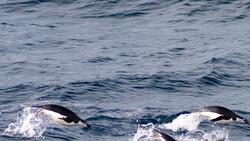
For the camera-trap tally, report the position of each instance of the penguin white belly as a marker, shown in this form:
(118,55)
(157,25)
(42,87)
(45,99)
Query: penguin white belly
(57,117)
(225,121)
(212,115)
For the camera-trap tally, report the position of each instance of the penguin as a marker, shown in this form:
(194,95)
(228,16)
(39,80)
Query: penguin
(158,134)
(219,114)
(61,115)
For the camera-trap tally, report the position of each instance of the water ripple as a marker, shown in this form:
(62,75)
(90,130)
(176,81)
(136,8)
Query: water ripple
(120,63)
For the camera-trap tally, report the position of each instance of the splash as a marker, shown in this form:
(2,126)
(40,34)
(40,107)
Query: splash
(189,122)
(144,132)
(27,124)
(215,135)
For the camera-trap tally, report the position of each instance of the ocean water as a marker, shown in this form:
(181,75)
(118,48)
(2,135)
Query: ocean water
(126,66)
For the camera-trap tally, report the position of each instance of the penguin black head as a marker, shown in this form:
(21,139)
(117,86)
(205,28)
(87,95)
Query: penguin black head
(164,136)
(241,119)
(84,124)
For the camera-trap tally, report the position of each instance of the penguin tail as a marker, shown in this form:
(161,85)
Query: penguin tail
(39,109)
(36,106)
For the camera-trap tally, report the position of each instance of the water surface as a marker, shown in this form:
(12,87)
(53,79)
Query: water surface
(121,63)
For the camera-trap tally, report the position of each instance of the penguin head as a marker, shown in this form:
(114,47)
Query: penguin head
(242,120)
(162,136)
(157,133)
(83,123)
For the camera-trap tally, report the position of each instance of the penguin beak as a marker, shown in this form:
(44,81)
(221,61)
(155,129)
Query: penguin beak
(245,121)
(84,124)
(87,125)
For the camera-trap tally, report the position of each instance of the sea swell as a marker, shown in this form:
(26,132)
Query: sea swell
(123,64)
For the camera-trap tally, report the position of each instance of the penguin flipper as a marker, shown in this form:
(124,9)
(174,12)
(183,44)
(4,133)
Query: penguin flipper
(220,118)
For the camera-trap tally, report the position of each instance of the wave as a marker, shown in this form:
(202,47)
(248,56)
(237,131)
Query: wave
(222,71)
(121,9)
(216,78)
(186,127)
(189,122)
(27,125)
(182,126)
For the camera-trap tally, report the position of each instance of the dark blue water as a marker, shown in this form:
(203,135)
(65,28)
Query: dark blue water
(121,63)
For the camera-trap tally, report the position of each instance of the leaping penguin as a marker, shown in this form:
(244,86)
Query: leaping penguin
(159,134)
(62,115)
(221,114)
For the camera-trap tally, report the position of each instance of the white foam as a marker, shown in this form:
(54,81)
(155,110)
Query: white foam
(217,135)
(27,124)
(143,132)
(188,122)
